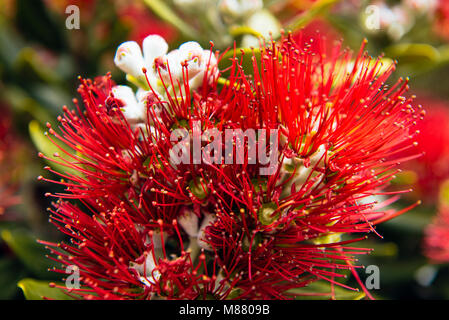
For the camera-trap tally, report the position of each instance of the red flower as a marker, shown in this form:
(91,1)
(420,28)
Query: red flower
(441,26)
(436,237)
(432,168)
(9,146)
(86,7)
(141,22)
(312,35)
(250,236)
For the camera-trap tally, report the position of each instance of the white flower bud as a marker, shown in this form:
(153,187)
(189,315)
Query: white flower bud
(154,46)
(402,24)
(129,59)
(132,110)
(208,220)
(166,72)
(189,222)
(264,23)
(198,61)
(157,241)
(386,16)
(170,67)
(189,50)
(239,8)
(145,270)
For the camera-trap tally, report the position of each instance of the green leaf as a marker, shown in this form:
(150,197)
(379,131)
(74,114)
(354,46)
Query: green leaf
(400,272)
(44,145)
(38,290)
(10,42)
(322,290)
(244,57)
(27,250)
(413,52)
(24,104)
(412,222)
(380,248)
(166,13)
(11,271)
(444,54)
(30,67)
(237,31)
(419,58)
(34,20)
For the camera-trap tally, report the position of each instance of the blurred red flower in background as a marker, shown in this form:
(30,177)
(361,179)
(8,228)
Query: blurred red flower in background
(436,237)
(8,143)
(86,7)
(432,168)
(142,22)
(135,15)
(441,26)
(317,33)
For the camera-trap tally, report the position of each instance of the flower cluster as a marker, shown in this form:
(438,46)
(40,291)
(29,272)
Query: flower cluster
(162,72)
(142,226)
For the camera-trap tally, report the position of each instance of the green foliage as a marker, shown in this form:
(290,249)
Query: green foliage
(245,57)
(11,271)
(48,148)
(161,9)
(323,290)
(40,290)
(28,251)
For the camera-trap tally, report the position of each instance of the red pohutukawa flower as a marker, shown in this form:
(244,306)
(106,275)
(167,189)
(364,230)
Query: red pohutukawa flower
(428,173)
(9,149)
(177,203)
(442,19)
(436,237)
(140,21)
